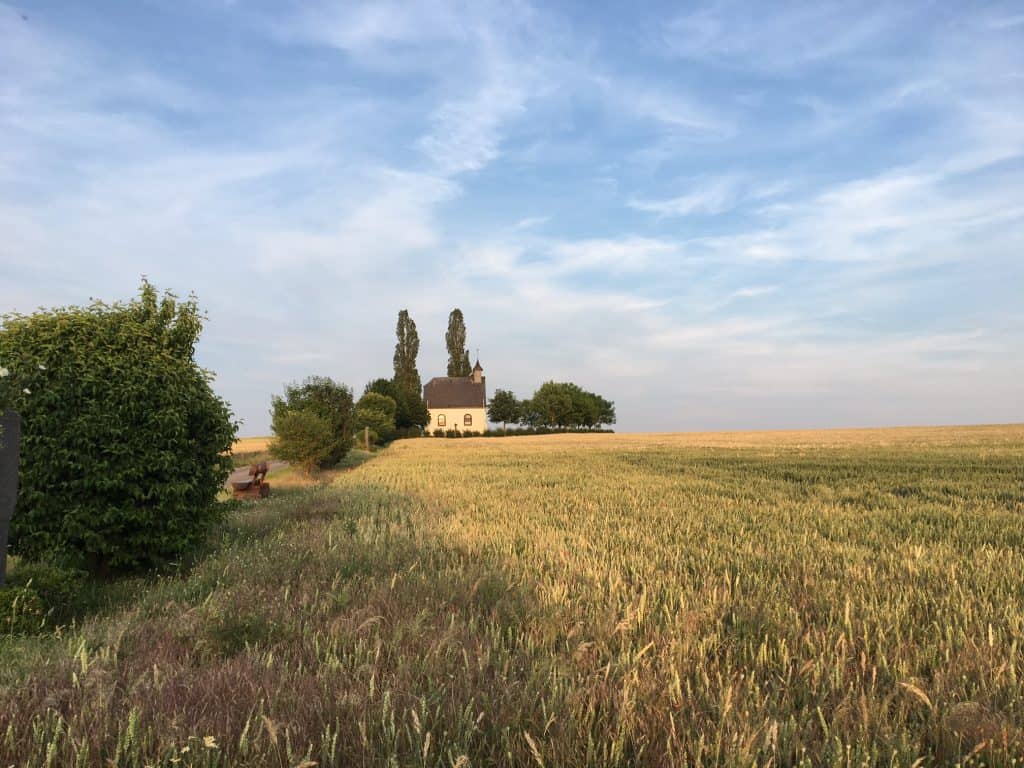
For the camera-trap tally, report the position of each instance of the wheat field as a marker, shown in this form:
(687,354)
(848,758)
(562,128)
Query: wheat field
(251,445)
(852,597)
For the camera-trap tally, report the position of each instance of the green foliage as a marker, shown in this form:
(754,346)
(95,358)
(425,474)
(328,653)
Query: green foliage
(407,347)
(377,412)
(303,438)
(122,435)
(21,610)
(588,409)
(504,408)
(316,442)
(408,394)
(549,406)
(51,596)
(455,341)
(11,389)
(410,410)
(384,387)
(57,586)
(566,406)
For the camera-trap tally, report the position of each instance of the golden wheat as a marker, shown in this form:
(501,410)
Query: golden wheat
(852,597)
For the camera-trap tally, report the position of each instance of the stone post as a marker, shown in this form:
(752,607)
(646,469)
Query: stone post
(10,442)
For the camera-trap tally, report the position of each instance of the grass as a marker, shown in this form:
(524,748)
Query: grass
(796,598)
(289,478)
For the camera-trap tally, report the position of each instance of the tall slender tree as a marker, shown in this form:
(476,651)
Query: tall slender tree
(407,378)
(407,384)
(455,339)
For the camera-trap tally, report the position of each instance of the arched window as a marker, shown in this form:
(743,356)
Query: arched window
(467,420)
(440,420)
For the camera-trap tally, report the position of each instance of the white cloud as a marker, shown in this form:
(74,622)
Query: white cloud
(466,134)
(709,196)
(900,217)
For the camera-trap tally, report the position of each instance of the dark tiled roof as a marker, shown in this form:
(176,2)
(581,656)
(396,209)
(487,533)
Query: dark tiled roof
(455,392)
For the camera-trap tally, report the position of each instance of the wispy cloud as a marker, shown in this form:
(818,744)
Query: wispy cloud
(465,135)
(712,195)
(899,218)
(780,37)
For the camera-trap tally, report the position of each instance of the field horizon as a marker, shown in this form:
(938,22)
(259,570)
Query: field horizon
(260,442)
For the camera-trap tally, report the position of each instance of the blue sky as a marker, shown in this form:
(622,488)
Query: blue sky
(719,215)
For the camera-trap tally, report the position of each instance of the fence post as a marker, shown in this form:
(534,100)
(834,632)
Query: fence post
(10,442)
(366,437)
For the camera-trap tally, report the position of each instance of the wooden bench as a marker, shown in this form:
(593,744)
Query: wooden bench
(256,487)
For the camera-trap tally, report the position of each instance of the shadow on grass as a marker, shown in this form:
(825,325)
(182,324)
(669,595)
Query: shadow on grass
(331,615)
(86,596)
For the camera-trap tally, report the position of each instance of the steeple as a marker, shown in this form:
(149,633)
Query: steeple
(478,372)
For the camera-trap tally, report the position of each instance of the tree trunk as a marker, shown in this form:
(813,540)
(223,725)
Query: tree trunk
(10,443)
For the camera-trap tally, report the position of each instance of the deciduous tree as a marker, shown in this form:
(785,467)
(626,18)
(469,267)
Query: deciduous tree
(566,405)
(551,405)
(504,407)
(377,412)
(303,438)
(326,399)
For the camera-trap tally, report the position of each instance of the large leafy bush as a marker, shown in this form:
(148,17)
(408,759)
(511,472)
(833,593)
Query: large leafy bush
(323,434)
(123,437)
(377,413)
(410,410)
(303,438)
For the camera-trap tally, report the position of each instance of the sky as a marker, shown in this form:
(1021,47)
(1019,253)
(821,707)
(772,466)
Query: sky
(718,215)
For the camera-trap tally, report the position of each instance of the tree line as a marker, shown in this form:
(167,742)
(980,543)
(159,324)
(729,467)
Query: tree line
(555,405)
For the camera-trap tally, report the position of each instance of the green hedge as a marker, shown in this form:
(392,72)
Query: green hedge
(121,455)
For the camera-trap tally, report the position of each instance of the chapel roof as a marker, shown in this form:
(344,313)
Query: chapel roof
(455,392)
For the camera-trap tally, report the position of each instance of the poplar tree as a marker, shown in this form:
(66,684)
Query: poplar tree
(407,385)
(407,378)
(455,339)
